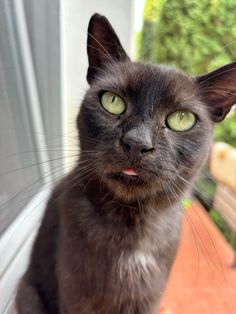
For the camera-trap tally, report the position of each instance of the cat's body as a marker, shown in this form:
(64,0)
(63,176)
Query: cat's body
(111,228)
(101,263)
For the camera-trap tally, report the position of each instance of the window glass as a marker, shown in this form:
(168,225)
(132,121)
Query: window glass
(22,171)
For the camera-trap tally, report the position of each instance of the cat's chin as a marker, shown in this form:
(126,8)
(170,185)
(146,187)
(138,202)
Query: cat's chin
(126,179)
(130,187)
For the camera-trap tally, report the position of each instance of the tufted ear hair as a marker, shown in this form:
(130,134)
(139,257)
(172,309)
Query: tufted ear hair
(219,90)
(103,46)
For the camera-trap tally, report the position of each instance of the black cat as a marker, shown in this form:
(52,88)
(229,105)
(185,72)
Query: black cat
(111,228)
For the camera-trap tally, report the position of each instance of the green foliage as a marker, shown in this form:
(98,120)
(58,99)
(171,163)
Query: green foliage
(223,227)
(205,188)
(152,9)
(195,36)
(147,38)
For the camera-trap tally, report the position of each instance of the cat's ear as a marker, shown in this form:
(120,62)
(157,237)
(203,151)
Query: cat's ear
(219,90)
(103,45)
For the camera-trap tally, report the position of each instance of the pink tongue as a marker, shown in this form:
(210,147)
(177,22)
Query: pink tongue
(130,172)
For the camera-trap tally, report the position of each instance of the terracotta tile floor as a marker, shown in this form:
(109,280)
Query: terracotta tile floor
(202,281)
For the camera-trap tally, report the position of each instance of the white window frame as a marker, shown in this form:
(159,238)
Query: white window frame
(16,241)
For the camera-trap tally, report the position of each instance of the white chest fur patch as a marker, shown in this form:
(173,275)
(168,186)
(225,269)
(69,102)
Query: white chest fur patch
(136,264)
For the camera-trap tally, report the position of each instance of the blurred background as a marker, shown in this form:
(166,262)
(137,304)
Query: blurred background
(43,65)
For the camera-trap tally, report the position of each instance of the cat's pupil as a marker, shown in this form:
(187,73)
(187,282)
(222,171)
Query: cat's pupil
(113,99)
(181,115)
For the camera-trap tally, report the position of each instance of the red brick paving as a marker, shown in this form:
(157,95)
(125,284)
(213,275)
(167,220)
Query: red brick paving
(201,281)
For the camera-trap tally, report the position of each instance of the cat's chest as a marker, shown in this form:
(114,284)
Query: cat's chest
(152,256)
(136,265)
(137,275)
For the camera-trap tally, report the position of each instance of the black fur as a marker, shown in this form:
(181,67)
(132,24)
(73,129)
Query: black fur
(108,241)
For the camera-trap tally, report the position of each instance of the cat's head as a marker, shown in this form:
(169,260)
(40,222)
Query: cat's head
(146,129)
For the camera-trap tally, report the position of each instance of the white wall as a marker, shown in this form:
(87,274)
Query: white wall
(76,15)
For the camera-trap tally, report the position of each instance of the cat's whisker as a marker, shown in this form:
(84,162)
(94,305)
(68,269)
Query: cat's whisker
(36,164)
(205,249)
(203,193)
(77,179)
(193,230)
(113,213)
(199,191)
(2,157)
(86,138)
(67,156)
(44,187)
(60,169)
(219,267)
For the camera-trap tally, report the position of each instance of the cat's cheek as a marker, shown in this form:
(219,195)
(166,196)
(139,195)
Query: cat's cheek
(118,149)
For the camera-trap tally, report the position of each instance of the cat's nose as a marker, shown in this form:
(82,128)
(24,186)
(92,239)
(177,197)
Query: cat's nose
(137,142)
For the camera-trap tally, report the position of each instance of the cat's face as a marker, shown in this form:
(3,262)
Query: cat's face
(144,129)
(140,138)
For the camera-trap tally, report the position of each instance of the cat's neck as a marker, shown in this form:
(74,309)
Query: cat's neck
(124,223)
(131,212)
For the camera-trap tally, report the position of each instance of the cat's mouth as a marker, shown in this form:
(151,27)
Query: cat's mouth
(129,182)
(130,172)
(127,176)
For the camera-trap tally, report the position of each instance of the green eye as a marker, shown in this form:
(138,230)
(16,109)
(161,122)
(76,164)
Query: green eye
(181,120)
(112,103)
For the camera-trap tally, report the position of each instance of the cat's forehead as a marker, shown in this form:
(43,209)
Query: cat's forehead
(151,80)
